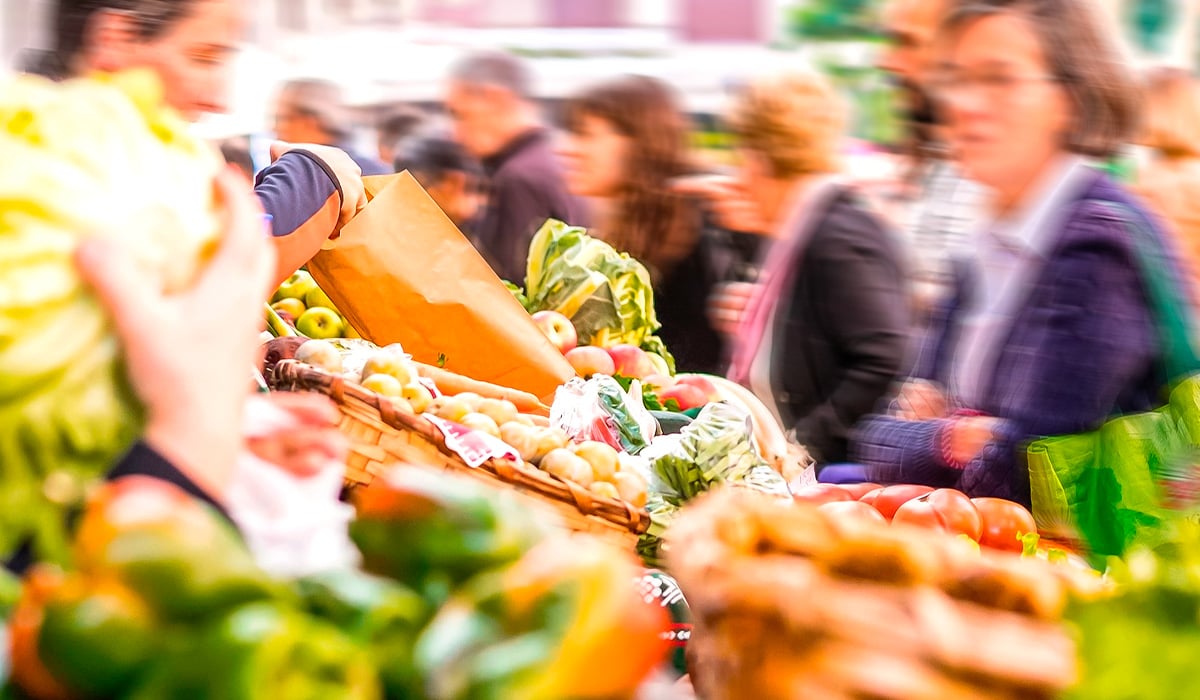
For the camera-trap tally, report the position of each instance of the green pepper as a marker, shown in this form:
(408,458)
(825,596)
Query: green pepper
(374,611)
(10,592)
(264,650)
(96,637)
(175,552)
(433,531)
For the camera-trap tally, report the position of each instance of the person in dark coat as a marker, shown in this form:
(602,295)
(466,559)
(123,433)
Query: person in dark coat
(489,101)
(1050,331)
(822,336)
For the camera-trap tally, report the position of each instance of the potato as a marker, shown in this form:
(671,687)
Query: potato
(521,438)
(566,466)
(602,457)
(550,439)
(499,410)
(418,396)
(480,422)
(631,488)
(449,408)
(605,490)
(471,399)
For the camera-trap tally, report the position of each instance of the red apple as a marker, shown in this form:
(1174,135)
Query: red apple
(558,329)
(686,395)
(631,361)
(588,360)
(702,383)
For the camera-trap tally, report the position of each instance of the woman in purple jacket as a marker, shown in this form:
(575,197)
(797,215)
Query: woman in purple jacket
(1051,331)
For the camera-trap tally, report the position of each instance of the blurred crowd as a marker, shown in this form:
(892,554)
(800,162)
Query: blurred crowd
(919,332)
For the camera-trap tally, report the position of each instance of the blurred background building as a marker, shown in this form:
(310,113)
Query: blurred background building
(388,51)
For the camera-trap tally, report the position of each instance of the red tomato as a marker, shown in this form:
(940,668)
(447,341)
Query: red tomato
(944,509)
(852,511)
(1002,522)
(821,493)
(888,499)
(857,491)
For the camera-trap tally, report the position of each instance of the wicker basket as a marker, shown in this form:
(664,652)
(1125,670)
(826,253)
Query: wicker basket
(789,603)
(384,433)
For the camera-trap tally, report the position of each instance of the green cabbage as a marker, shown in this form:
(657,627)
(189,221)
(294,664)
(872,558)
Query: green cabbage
(89,157)
(607,295)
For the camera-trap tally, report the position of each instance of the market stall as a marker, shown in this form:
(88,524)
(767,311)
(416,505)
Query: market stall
(540,507)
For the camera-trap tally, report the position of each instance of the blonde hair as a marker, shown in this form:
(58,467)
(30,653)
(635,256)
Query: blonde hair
(1172,114)
(794,120)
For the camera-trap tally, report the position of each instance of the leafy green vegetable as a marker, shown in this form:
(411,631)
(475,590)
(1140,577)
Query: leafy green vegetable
(518,293)
(99,157)
(1143,643)
(606,294)
(716,448)
(649,398)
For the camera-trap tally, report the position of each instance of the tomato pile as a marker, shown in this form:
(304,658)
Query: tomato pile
(992,522)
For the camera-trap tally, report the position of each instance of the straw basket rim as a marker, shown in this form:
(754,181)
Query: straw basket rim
(292,375)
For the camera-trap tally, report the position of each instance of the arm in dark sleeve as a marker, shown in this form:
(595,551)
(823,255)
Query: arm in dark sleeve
(865,314)
(305,202)
(143,460)
(1094,335)
(1095,338)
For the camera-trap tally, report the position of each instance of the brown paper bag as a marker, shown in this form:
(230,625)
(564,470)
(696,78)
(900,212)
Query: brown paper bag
(401,272)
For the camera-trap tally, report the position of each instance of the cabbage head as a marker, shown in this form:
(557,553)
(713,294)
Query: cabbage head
(95,156)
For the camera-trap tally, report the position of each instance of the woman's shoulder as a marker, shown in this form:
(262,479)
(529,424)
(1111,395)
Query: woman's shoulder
(849,220)
(1104,214)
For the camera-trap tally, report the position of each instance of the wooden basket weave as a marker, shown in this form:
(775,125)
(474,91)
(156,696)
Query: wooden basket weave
(384,434)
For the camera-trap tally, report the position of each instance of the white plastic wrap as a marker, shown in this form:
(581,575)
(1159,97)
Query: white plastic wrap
(294,525)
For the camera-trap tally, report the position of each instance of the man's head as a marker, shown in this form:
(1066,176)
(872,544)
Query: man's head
(398,125)
(311,111)
(450,176)
(487,99)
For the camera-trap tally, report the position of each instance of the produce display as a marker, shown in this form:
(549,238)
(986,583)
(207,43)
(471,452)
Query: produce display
(595,466)
(66,411)
(717,448)
(991,522)
(791,600)
(480,601)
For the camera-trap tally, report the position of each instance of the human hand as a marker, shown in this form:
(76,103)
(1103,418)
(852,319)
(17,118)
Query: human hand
(727,305)
(968,436)
(188,355)
(295,432)
(728,200)
(921,400)
(347,172)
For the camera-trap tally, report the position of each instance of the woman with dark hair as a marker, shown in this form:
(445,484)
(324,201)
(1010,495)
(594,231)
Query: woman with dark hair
(627,144)
(1050,331)
(309,191)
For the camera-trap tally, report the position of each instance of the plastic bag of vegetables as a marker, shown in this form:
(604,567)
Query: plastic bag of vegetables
(91,157)
(716,448)
(606,294)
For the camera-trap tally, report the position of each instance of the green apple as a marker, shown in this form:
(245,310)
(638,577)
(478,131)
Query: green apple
(320,324)
(295,287)
(293,308)
(316,297)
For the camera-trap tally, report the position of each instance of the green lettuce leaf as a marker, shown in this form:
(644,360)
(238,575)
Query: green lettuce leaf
(607,295)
